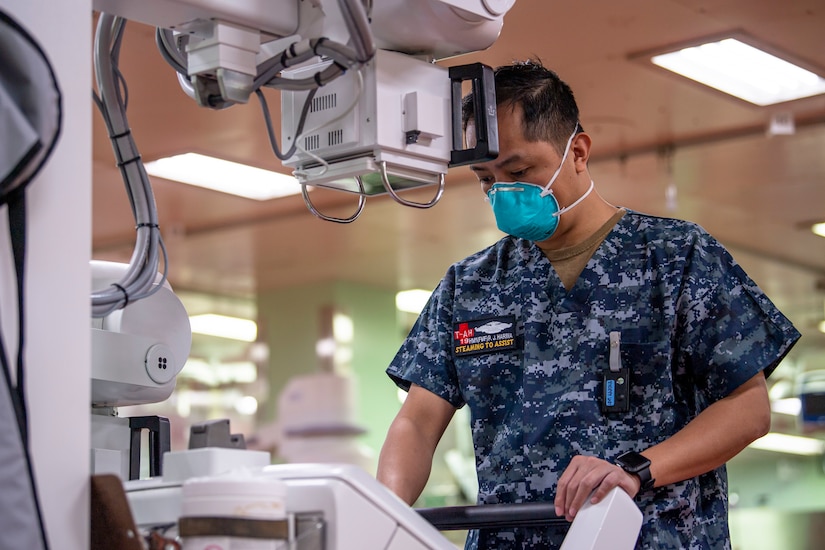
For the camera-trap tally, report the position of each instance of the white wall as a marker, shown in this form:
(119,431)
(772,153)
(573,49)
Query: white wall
(58,283)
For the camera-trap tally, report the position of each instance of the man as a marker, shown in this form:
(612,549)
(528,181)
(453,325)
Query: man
(595,346)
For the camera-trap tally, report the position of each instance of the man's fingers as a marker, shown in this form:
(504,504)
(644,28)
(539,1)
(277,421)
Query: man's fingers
(593,479)
(615,478)
(589,478)
(561,489)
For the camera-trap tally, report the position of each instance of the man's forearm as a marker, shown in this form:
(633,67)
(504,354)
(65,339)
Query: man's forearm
(715,436)
(407,455)
(404,463)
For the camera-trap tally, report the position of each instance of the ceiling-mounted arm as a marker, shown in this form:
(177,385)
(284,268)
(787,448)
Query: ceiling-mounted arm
(397,127)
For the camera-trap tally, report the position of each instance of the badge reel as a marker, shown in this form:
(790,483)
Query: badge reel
(615,380)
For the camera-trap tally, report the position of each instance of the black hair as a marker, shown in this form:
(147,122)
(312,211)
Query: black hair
(549,109)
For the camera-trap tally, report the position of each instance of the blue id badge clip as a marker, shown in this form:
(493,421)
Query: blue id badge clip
(616,379)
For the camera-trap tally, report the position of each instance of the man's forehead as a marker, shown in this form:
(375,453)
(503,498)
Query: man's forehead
(510,113)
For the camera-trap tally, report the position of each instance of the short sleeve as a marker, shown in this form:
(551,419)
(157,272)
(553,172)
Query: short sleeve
(424,358)
(732,330)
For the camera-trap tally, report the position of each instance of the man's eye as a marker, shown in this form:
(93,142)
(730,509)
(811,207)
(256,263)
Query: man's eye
(518,173)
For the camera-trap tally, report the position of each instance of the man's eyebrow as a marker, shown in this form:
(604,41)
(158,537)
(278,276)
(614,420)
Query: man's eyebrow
(499,164)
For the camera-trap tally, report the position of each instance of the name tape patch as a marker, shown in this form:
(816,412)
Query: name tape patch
(488,335)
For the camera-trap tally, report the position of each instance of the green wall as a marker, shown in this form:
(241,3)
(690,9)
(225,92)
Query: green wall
(291,323)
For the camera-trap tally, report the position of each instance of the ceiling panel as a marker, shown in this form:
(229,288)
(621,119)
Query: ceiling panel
(754,192)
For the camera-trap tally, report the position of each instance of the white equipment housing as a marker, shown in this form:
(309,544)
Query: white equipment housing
(437,29)
(397,121)
(389,126)
(353,510)
(137,351)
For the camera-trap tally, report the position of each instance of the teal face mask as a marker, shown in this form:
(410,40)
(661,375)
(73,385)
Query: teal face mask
(527,210)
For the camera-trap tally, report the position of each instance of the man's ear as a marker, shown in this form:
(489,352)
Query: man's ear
(580,148)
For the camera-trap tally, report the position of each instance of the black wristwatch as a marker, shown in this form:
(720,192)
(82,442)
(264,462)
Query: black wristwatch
(636,464)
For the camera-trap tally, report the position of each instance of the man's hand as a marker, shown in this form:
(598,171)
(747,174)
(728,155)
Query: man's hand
(590,477)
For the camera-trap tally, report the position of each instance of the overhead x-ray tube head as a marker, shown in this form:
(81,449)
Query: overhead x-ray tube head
(387,128)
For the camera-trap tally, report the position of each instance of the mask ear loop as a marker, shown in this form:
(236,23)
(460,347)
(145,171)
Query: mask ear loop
(546,191)
(577,201)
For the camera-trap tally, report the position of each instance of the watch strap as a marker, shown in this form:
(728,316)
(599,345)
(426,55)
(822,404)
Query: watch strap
(646,479)
(638,465)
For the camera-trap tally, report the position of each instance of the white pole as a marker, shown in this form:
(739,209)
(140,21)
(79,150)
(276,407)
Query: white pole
(57,278)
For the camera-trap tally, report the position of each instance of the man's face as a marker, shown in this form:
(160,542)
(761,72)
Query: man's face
(518,159)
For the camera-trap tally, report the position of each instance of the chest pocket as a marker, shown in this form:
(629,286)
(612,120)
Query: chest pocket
(649,365)
(655,399)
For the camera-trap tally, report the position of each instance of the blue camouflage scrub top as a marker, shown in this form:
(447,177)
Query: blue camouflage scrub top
(503,336)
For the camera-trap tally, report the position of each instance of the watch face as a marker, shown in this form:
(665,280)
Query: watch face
(633,461)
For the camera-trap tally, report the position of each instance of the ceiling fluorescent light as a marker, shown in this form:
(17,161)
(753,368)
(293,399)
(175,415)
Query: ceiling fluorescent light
(819,229)
(224,327)
(790,444)
(741,70)
(412,301)
(216,373)
(224,176)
